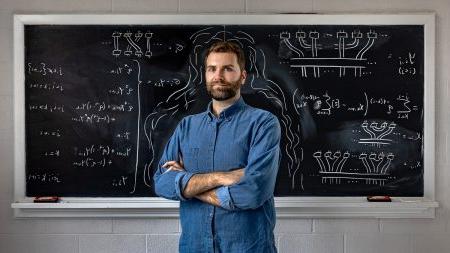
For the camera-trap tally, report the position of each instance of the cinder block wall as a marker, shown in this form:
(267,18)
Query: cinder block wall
(161,235)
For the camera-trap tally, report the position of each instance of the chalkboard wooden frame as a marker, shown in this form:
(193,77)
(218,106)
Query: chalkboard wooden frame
(422,207)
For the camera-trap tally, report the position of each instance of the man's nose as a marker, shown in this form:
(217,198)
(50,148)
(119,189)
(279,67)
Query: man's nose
(218,75)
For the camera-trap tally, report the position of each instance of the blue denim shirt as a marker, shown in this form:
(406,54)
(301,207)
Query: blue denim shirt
(241,137)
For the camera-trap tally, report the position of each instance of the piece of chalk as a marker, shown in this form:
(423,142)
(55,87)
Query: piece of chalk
(379,199)
(169,169)
(46,199)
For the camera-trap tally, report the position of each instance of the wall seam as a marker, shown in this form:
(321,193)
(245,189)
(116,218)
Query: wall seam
(78,243)
(146,243)
(344,243)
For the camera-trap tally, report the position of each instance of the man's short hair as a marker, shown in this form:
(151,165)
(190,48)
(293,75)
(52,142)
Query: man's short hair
(228,47)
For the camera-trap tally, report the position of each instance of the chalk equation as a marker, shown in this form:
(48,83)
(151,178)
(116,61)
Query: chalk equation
(325,104)
(46,107)
(94,118)
(103,106)
(47,178)
(44,69)
(102,150)
(53,133)
(93,162)
(121,90)
(47,86)
(406,64)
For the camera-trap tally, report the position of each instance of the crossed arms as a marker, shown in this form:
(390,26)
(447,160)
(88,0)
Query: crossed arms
(203,186)
(239,189)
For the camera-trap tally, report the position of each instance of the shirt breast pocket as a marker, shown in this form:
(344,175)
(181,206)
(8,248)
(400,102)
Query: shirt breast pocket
(190,159)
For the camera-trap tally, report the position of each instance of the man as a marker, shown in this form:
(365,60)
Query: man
(222,165)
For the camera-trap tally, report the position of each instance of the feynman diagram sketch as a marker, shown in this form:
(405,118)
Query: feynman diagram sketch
(349,102)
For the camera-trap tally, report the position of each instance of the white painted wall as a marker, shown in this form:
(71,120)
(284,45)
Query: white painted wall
(161,235)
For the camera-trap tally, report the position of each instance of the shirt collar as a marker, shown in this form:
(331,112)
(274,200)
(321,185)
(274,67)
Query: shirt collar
(229,112)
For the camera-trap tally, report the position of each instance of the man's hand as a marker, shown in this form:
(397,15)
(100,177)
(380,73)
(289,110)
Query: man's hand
(173,165)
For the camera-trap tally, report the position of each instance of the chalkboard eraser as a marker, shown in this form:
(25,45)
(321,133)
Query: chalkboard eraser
(46,199)
(379,199)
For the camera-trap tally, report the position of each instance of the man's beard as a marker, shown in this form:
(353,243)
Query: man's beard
(225,92)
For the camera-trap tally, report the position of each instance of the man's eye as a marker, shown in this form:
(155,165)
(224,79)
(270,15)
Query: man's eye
(229,69)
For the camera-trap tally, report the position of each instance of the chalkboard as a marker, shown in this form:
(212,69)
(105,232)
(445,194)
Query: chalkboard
(102,100)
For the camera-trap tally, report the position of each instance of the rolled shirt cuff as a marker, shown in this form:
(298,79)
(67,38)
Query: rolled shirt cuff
(225,200)
(181,180)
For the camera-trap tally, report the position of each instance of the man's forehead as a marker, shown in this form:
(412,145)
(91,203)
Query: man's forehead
(221,58)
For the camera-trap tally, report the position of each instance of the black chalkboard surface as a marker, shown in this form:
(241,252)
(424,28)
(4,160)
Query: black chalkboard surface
(102,100)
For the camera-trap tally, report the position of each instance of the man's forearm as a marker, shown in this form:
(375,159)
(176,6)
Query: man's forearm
(209,197)
(201,183)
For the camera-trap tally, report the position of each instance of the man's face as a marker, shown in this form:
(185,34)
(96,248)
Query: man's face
(224,77)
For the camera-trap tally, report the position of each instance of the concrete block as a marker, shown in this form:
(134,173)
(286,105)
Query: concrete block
(288,6)
(418,5)
(6,78)
(146,226)
(7,134)
(431,243)
(415,226)
(293,226)
(6,116)
(11,5)
(163,243)
(78,226)
(348,5)
(212,6)
(66,6)
(6,45)
(345,226)
(10,225)
(39,243)
(442,174)
(145,6)
(311,243)
(6,20)
(377,243)
(392,6)
(6,169)
(112,243)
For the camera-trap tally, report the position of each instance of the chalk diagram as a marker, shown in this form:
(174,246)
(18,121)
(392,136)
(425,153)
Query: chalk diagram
(374,166)
(349,48)
(332,167)
(378,133)
(132,39)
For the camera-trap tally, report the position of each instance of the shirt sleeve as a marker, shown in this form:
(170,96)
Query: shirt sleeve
(258,184)
(170,184)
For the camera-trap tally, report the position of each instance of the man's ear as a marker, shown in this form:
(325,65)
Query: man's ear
(244,76)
